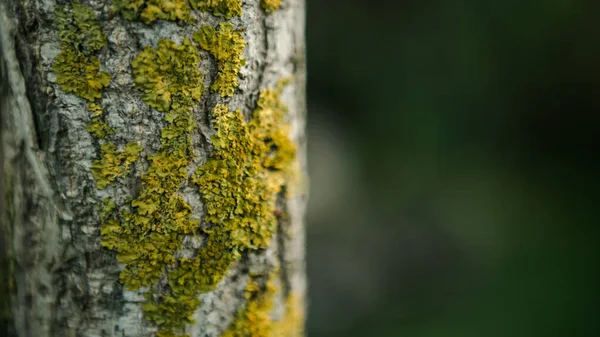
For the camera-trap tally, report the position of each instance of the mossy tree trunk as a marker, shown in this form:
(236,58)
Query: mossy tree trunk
(152,159)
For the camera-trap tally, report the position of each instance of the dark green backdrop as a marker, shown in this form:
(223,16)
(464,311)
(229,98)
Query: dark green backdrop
(454,157)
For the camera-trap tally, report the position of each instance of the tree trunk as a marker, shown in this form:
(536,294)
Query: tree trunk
(137,200)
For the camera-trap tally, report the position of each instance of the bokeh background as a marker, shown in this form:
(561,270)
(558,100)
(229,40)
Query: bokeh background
(454,159)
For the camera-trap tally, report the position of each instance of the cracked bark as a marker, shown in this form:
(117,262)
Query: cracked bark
(56,279)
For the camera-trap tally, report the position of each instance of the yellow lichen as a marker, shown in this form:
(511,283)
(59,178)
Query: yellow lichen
(270,127)
(270,6)
(239,184)
(238,199)
(292,323)
(147,237)
(225,240)
(239,194)
(99,128)
(227,46)
(80,30)
(255,319)
(151,10)
(80,74)
(96,109)
(226,8)
(77,69)
(169,71)
(108,206)
(113,163)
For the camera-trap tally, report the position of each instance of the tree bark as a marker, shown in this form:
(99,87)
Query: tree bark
(56,277)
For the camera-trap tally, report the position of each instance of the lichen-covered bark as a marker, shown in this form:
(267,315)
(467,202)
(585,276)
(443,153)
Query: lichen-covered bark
(62,281)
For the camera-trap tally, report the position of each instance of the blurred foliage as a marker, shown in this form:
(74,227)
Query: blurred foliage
(465,140)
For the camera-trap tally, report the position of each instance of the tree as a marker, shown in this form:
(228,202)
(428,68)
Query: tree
(152,168)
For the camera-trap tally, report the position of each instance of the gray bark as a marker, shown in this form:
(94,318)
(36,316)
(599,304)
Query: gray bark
(60,281)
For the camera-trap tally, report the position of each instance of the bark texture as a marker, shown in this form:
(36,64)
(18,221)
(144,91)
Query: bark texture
(60,280)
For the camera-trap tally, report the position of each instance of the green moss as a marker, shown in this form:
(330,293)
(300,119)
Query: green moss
(77,69)
(151,10)
(270,6)
(227,46)
(168,75)
(226,8)
(113,163)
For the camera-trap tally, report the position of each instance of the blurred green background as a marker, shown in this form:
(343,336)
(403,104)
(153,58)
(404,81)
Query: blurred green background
(454,159)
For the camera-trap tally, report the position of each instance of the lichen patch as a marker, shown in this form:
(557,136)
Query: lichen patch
(77,69)
(270,6)
(227,46)
(226,8)
(149,11)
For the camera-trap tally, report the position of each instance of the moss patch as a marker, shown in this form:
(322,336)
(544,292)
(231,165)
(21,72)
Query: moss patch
(151,10)
(270,6)
(227,46)
(226,8)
